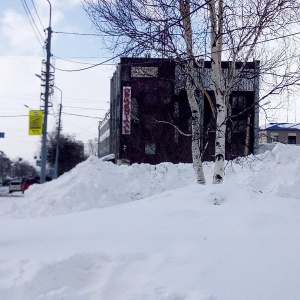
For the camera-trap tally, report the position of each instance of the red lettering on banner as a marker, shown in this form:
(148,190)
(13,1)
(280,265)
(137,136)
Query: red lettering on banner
(126,110)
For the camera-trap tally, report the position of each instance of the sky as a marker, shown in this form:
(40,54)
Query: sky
(85,94)
(143,232)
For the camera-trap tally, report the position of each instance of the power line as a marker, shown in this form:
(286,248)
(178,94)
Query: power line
(81,115)
(19,57)
(132,48)
(87,57)
(80,128)
(35,97)
(76,62)
(32,22)
(13,116)
(92,66)
(37,13)
(177,21)
(54,114)
(83,34)
(79,62)
(85,108)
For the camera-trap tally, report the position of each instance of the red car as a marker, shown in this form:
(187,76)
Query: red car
(27,183)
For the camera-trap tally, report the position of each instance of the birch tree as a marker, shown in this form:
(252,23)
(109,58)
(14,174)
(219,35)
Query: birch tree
(193,31)
(92,146)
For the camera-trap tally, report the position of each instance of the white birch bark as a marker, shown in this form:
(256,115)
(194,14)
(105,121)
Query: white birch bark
(196,132)
(220,140)
(216,18)
(190,88)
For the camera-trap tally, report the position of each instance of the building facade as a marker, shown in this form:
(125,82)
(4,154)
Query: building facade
(148,104)
(286,133)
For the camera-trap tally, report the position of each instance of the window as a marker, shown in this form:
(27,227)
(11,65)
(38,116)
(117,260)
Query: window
(134,109)
(176,136)
(292,138)
(150,148)
(239,125)
(238,102)
(263,137)
(274,137)
(176,110)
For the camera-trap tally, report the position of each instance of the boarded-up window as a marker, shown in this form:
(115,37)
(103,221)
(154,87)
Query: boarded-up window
(150,148)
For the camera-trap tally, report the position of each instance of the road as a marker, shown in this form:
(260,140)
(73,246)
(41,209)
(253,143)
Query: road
(4,192)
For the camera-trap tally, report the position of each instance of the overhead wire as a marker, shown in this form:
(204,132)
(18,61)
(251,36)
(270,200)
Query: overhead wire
(77,115)
(78,62)
(18,57)
(35,97)
(92,66)
(85,108)
(119,55)
(32,22)
(177,21)
(82,129)
(88,34)
(52,114)
(83,34)
(37,13)
(13,116)
(132,48)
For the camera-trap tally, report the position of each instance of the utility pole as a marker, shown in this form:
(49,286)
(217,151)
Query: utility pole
(58,136)
(98,144)
(1,165)
(47,86)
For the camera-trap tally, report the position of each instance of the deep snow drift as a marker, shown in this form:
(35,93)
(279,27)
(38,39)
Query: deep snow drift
(146,232)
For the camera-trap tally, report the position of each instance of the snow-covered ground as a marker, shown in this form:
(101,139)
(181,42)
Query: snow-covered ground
(141,232)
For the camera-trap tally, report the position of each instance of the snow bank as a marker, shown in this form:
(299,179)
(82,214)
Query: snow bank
(181,240)
(97,184)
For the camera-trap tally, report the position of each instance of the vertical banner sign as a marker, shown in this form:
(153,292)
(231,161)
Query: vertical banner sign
(126,109)
(35,122)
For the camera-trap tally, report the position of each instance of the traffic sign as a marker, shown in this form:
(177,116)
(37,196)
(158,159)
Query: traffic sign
(2,134)
(35,122)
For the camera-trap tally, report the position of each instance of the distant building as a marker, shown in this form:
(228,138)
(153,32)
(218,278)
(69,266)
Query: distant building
(148,97)
(287,133)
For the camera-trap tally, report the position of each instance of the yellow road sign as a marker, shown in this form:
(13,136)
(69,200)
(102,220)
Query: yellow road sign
(35,122)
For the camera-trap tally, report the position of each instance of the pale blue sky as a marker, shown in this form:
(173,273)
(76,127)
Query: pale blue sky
(66,17)
(21,53)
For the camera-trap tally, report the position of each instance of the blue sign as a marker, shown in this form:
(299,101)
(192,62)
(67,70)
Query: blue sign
(2,134)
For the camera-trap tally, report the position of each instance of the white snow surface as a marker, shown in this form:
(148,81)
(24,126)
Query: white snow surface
(142,232)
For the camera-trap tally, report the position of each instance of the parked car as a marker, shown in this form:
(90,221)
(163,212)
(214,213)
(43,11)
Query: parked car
(6,182)
(28,182)
(15,186)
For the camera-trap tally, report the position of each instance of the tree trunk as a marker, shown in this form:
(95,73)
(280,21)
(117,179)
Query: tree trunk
(196,131)
(216,18)
(220,139)
(247,138)
(185,11)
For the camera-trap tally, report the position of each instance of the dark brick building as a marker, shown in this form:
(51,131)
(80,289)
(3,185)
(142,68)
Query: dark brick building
(148,97)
